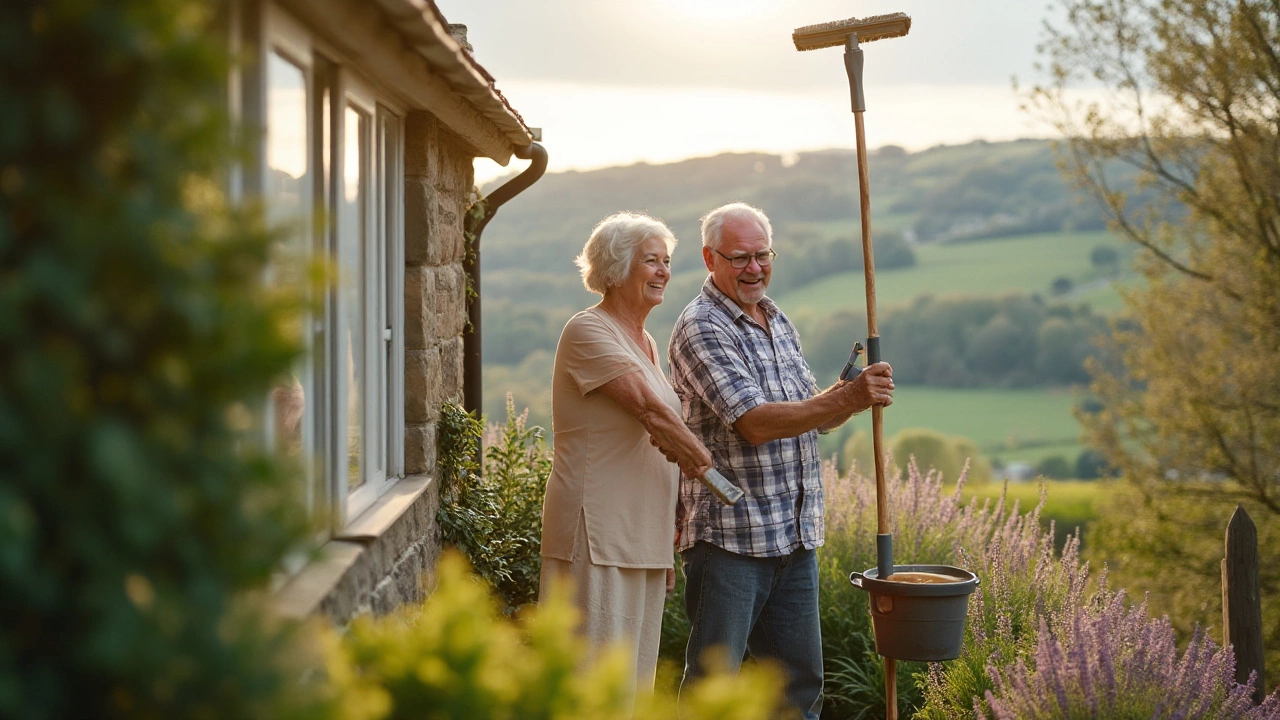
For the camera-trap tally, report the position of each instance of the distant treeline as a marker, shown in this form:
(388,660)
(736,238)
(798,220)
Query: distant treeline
(944,193)
(811,255)
(1012,341)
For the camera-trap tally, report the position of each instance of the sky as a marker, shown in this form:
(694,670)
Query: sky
(616,82)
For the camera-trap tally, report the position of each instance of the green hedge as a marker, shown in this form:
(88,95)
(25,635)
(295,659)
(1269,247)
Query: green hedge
(135,337)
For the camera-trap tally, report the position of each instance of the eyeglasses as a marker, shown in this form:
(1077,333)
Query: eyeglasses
(764,258)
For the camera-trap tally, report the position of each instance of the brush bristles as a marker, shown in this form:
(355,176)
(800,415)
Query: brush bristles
(877,27)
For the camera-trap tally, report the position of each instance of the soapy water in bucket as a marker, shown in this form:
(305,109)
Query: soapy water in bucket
(922,578)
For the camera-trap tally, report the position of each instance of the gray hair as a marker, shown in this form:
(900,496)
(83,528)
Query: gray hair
(713,222)
(605,260)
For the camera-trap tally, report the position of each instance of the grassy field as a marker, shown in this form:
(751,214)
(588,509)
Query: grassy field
(1026,425)
(1010,425)
(1068,503)
(1026,263)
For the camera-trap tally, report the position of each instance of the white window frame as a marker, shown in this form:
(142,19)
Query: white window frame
(288,39)
(356,94)
(382,279)
(390,157)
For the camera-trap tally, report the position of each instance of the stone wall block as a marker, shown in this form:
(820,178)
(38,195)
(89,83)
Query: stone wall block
(432,542)
(421,209)
(451,367)
(419,307)
(420,448)
(439,223)
(451,302)
(421,135)
(450,214)
(455,168)
(422,378)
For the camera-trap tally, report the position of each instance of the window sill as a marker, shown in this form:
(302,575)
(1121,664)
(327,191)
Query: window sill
(377,562)
(384,511)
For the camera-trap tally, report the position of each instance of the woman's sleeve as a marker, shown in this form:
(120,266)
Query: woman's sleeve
(592,355)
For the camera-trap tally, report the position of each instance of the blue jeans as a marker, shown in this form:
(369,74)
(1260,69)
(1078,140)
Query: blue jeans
(768,606)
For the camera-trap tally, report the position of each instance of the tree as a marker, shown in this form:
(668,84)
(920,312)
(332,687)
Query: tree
(932,451)
(1090,465)
(139,516)
(1193,105)
(1104,257)
(1054,467)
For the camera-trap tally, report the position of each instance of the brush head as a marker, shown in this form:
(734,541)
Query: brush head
(877,27)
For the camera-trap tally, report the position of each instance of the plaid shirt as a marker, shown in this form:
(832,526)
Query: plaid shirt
(722,365)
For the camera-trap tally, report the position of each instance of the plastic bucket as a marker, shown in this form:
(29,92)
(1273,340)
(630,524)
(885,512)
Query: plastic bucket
(923,622)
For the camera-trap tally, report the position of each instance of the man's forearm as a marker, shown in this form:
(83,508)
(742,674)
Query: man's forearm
(773,421)
(836,421)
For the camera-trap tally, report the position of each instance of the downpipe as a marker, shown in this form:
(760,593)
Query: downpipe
(472,352)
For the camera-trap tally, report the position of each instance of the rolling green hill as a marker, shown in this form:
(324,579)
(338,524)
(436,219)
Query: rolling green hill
(961,224)
(1023,263)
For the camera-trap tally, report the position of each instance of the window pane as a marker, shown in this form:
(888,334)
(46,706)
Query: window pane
(286,200)
(351,241)
(286,140)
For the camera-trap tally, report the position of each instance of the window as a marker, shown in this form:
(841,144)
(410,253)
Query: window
(333,178)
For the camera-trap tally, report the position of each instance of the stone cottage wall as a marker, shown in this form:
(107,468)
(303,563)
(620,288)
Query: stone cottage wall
(438,181)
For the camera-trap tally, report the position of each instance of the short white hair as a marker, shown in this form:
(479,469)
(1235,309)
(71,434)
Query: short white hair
(713,222)
(605,260)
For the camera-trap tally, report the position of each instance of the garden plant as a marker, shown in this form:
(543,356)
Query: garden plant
(1033,643)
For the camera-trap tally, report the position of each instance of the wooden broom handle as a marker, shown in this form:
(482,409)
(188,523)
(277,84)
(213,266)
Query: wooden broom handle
(877,411)
(873,329)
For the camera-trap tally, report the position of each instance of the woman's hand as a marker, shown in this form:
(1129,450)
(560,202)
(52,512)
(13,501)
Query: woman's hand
(671,580)
(666,429)
(694,465)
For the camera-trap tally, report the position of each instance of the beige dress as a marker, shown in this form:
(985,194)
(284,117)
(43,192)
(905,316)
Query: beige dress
(608,521)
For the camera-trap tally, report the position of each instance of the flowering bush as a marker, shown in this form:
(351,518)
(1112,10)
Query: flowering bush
(1021,581)
(1038,643)
(1117,663)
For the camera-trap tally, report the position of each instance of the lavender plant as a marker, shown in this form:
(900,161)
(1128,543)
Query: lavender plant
(1111,660)
(1040,640)
(1023,582)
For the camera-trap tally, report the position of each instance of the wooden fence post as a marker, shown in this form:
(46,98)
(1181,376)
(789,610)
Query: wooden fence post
(1241,604)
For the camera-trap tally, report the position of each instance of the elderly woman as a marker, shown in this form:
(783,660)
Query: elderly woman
(608,522)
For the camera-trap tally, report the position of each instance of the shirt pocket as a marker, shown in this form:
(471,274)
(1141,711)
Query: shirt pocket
(792,368)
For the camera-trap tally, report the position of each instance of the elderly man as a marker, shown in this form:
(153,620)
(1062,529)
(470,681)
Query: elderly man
(748,394)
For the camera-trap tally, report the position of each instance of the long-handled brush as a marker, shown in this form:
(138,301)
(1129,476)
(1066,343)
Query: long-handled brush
(850,33)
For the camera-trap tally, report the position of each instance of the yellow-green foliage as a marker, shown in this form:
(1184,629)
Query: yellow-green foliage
(456,656)
(1186,386)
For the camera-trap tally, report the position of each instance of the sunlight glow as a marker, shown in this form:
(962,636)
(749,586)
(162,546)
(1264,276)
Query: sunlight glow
(717,9)
(592,126)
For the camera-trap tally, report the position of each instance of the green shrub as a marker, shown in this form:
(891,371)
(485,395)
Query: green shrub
(1054,467)
(136,341)
(1090,465)
(495,519)
(457,657)
(932,450)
